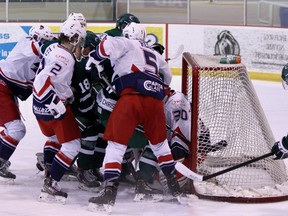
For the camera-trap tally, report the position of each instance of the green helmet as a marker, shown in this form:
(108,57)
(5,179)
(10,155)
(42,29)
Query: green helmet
(284,77)
(91,40)
(125,19)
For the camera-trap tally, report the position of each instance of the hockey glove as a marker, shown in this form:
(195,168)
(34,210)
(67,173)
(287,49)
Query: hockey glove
(56,107)
(97,64)
(280,149)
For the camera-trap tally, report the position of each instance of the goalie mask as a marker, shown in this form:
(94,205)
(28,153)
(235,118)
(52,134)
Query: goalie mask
(134,31)
(284,77)
(125,19)
(40,32)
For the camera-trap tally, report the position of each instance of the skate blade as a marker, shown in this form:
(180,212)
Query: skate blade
(148,198)
(45,197)
(100,208)
(89,189)
(6,181)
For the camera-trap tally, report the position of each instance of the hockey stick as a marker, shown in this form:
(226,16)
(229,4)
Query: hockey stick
(177,53)
(196,177)
(108,84)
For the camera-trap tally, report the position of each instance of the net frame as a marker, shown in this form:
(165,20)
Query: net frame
(191,73)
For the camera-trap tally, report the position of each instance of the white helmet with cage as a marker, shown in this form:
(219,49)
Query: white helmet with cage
(79,17)
(74,31)
(134,31)
(40,32)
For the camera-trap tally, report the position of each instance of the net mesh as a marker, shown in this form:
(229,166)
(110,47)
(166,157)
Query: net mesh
(229,107)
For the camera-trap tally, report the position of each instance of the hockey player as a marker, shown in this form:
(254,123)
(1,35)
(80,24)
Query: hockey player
(91,154)
(140,89)
(51,97)
(17,73)
(280,148)
(107,94)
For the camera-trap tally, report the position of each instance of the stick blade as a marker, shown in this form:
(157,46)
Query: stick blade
(177,53)
(185,171)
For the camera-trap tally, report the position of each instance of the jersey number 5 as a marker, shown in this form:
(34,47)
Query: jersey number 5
(150,59)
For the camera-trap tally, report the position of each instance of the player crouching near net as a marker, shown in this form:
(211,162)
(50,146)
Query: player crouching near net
(140,90)
(51,96)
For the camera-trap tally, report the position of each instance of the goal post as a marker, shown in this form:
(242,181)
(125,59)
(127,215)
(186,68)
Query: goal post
(222,97)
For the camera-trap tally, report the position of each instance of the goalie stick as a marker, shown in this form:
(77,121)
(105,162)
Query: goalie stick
(197,177)
(177,53)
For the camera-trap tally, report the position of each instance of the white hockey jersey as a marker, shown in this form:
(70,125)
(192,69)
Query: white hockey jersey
(178,117)
(54,77)
(126,51)
(19,68)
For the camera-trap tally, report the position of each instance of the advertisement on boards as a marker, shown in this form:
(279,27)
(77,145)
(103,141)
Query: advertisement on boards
(262,49)
(10,34)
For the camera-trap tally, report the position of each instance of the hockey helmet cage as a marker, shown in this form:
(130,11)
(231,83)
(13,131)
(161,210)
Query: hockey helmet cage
(125,19)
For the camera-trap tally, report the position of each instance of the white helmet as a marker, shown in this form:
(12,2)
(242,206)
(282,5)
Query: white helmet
(40,32)
(74,31)
(134,31)
(78,17)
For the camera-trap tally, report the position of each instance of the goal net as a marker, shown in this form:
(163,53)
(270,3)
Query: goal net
(224,100)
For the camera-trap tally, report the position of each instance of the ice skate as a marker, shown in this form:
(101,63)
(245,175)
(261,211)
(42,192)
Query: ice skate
(51,192)
(6,176)
(144,192)
(88,181)
(174,187)
(105,201)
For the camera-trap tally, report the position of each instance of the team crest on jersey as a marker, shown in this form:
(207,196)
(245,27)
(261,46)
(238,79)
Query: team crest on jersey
(153,86)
